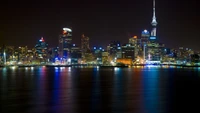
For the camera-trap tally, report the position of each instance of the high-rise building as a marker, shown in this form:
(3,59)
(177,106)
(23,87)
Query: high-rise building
(114,48)
(128,51)
(41,49)
(136,43)
(98,54)
(65,45)
(53,54)
(22,53)
(143,42)
(75,54)
(84,45)
(133,40)
(144,37)
(154,52)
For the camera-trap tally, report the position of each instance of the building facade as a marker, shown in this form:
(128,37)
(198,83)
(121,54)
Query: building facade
(41,49)
(128,51)
(65,40)
(84,45)
(114,48)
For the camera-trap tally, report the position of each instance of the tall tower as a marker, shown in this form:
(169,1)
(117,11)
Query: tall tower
(41,49)
(154,22)
(84,45)
(65,40)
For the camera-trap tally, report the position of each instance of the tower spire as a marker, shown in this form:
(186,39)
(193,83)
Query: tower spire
(154,22)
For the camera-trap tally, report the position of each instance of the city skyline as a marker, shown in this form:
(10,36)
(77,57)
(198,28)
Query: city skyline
(101,22)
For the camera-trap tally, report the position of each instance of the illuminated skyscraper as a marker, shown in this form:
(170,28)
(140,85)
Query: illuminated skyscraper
(41,48)
(84,44)
(65,45)
(113,48)
(53,53)
(75,54)
(144,37)
(144,41)
(128,51)
(135,42)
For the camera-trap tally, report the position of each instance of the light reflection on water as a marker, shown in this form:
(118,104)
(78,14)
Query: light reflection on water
(150,90)
(66,89)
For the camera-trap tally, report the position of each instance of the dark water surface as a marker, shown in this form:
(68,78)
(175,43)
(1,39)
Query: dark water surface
(99,90)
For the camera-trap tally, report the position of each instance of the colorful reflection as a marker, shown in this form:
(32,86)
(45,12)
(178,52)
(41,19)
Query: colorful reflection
(95,91)
(150,89)
(118,92)
(72,90)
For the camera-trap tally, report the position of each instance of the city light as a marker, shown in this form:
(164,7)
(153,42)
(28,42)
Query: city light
(152,38)
(149,57)
(4,56)
(69,60)
(142,49)
(117,58)
(42,39)
(67,29)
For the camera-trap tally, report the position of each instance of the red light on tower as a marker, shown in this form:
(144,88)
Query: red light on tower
(64,31)
(42,39)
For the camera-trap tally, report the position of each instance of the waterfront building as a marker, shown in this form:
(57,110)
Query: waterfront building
(41,50)
(126,61)
(97,51)
(128,51)
(65,45)
(135,42)
(53,54)
(105,58)
(114,49)
(84,45)
(153,53)
(144,38)
(183,55)
(9,51)
(75,54)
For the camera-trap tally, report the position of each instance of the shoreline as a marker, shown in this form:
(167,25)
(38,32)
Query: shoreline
(101,66)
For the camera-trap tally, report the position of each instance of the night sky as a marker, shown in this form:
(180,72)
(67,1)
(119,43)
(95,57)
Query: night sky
(24,22)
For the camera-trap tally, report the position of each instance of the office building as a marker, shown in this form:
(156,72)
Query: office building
(84,45)
(75,54)
(41,49)
(128,51)
(114,48)
(65,45)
